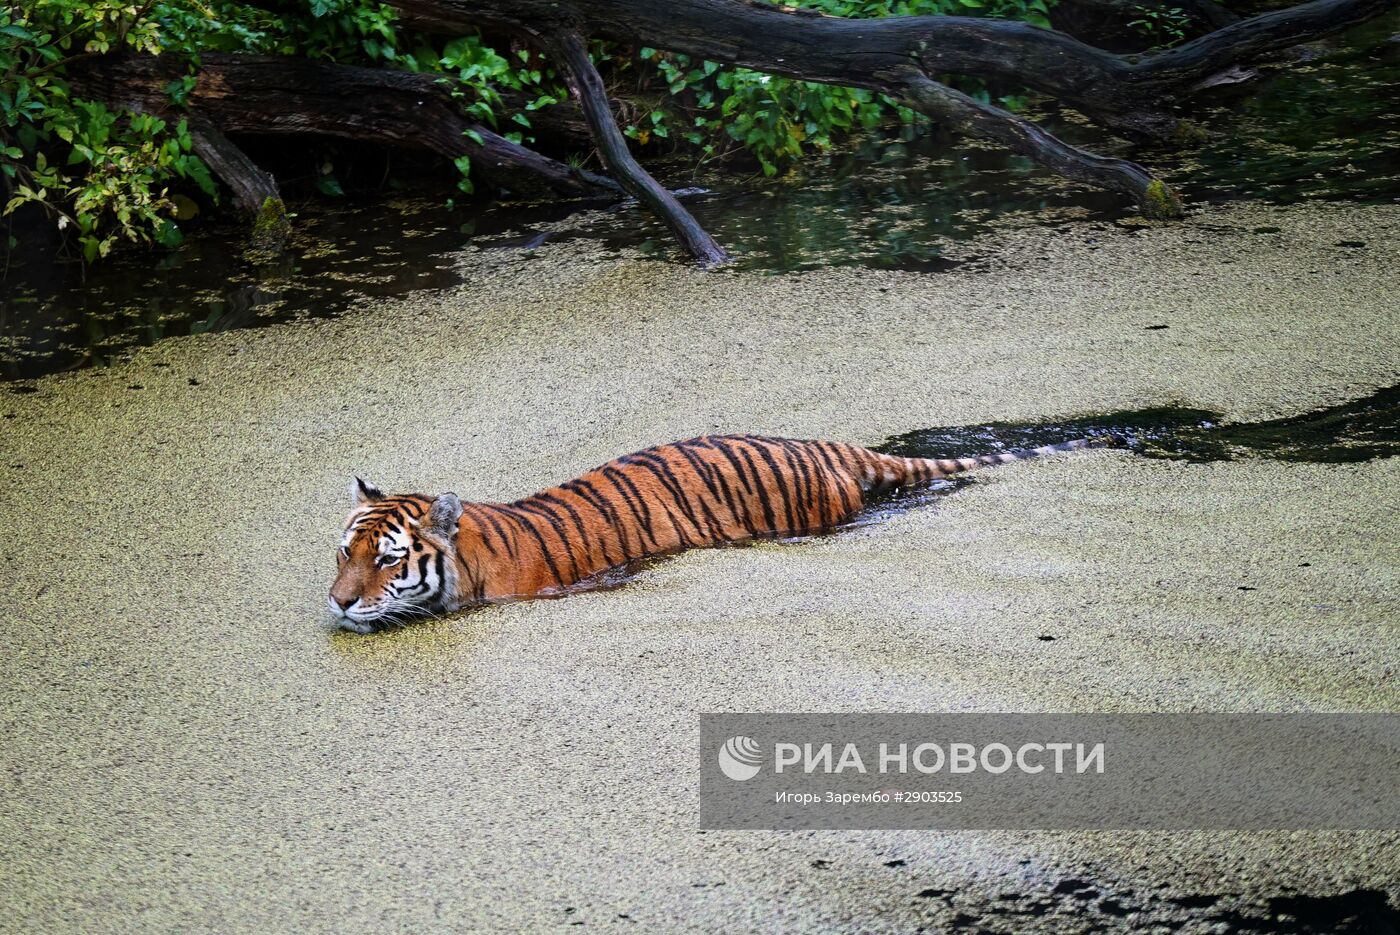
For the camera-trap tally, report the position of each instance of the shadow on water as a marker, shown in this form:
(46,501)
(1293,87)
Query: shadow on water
(1324,127)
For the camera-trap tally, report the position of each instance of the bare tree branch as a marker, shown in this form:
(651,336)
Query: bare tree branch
(251,186)
(587,87)
(956,111)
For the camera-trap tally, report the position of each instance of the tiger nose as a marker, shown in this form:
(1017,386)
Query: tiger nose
(344,602)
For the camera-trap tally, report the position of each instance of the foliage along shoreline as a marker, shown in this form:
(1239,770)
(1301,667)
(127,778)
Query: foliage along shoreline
(106,177)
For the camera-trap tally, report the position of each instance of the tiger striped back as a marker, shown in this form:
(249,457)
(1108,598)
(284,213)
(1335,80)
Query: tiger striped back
(438,554)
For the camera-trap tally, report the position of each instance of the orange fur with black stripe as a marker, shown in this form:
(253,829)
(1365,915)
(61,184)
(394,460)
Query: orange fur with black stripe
(409,555)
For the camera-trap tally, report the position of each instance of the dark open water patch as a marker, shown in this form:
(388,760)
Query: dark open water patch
(1325,125)
(1359,911)
(55,315)
(1087,906)
(899,201)
(1359,430)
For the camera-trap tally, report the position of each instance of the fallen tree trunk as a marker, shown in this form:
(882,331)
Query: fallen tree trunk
(962,114)
(902,55)
(866,53)
(272,94)
(254,191)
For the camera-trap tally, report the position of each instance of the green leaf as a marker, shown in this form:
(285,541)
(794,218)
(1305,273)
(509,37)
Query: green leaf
(168,234)
(328,185)
(196,171)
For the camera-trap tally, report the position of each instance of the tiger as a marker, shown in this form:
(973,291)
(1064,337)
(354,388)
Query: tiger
(413,555)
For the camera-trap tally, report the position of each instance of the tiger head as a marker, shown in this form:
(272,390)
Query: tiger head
(397,558)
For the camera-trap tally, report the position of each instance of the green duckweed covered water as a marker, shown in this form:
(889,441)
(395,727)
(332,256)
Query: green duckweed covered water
(188,744)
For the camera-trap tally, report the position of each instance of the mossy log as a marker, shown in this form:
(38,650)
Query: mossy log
(271,227)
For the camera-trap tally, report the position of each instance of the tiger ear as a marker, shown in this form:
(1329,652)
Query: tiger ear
(362,493)
(443,515)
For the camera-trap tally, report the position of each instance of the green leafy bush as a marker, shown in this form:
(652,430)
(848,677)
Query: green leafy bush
(1165,27)
(777,120)
(100,175)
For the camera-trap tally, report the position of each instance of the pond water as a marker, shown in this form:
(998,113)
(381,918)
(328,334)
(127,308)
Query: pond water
(176,689)
(1328,127)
